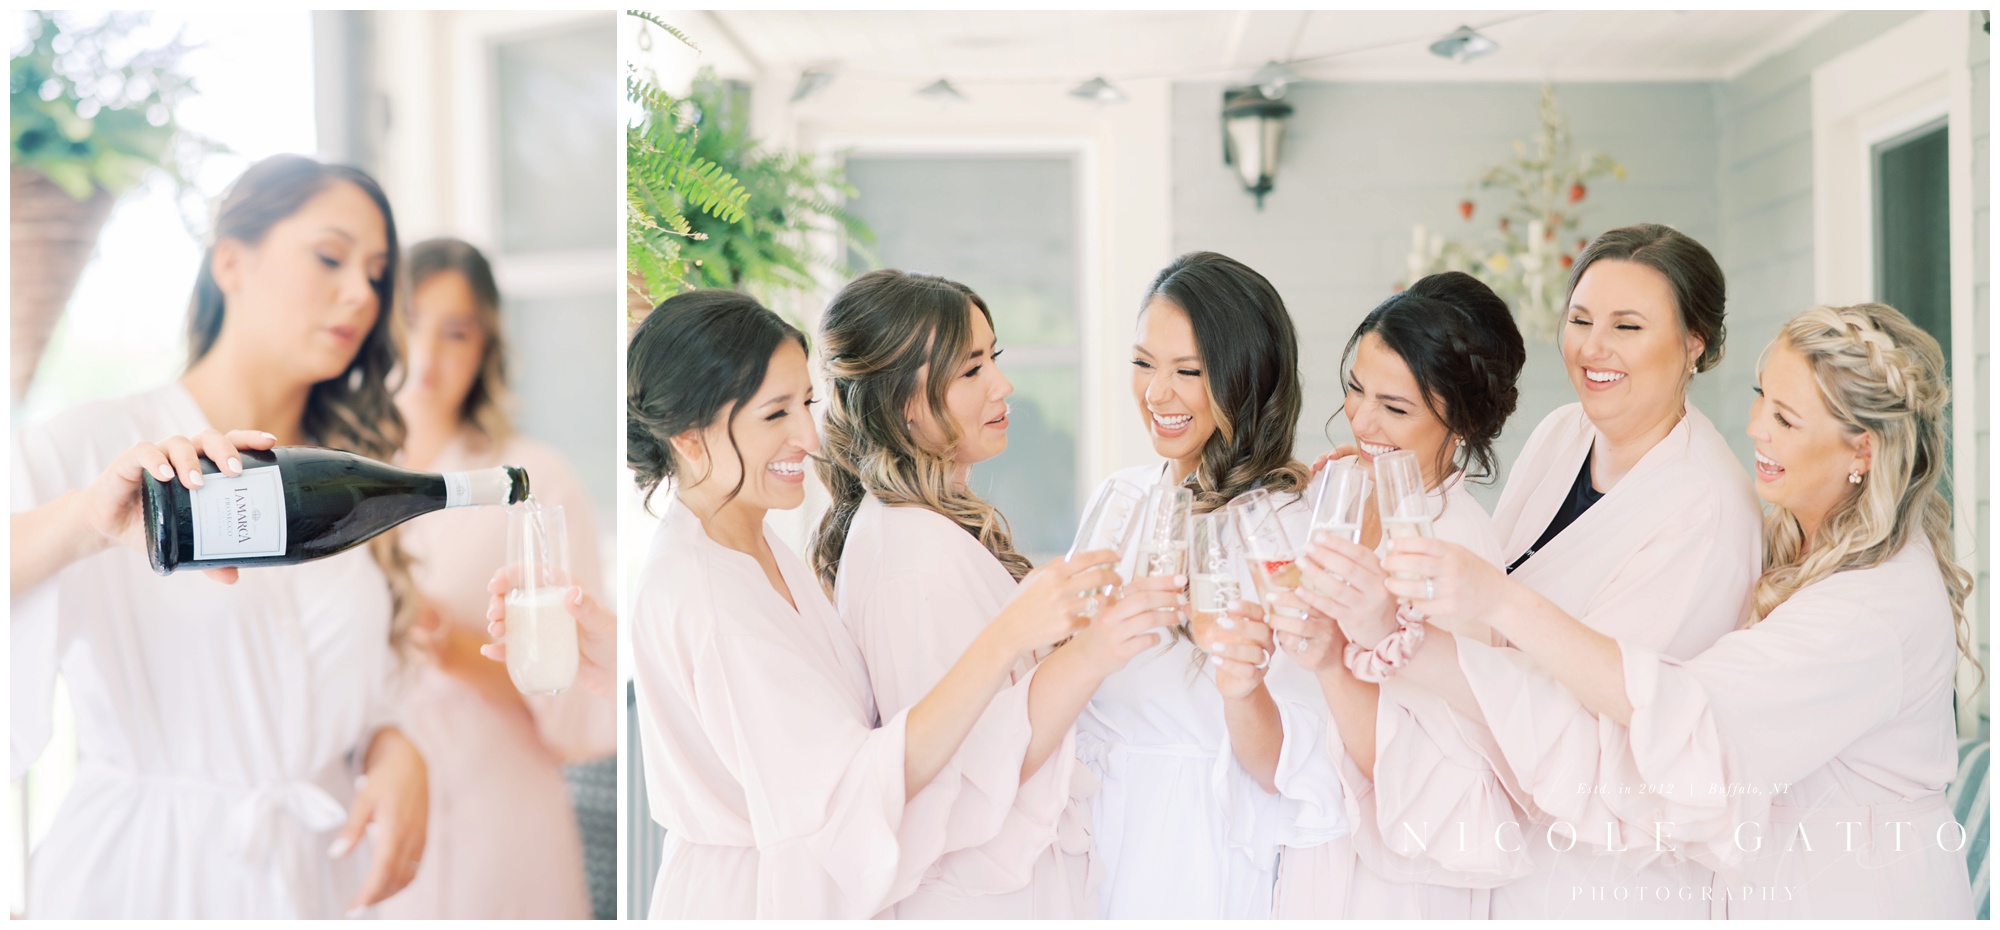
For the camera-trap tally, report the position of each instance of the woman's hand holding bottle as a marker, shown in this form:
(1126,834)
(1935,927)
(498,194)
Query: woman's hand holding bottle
(110,510)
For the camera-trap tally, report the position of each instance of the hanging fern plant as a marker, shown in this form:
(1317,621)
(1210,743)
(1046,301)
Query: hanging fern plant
(706,206)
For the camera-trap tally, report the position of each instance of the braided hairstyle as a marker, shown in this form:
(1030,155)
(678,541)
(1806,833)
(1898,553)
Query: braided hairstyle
(879,335)
(1463,349)
(1879,374)
(1250,369)
(695,354)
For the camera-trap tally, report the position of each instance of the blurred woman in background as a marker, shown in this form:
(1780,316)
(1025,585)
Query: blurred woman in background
(504,839)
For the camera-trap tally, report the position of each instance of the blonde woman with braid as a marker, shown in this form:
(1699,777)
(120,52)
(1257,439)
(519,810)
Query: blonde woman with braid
(1805,756)
(1184,830)
(921,568)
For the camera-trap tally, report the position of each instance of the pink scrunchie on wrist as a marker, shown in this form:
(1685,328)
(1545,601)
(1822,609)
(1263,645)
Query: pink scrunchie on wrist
(1392,653)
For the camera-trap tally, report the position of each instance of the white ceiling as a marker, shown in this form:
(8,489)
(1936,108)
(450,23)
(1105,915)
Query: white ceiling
(1066,47)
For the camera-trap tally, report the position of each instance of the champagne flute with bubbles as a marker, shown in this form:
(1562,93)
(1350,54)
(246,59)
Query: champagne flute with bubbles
(1272,551)
(1338,495)
(541,635)
(1163,532)
(1405,508)
(1215,550)
(1107,525)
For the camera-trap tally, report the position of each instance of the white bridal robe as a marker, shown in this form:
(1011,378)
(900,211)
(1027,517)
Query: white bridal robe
(1663,562)
(915,589)
(780,786)
(1419,868)
(1182,829)
(1804,758)
(219,728)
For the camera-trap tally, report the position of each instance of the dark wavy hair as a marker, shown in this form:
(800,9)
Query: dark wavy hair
(878,335)
(1697,281)
(1250,368)
(355,410)
(1465,352)
(696,353)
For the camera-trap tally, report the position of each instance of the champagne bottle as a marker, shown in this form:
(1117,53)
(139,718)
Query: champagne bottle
(298,503)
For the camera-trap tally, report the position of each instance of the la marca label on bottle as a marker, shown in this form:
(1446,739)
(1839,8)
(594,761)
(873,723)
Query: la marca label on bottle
(239,517)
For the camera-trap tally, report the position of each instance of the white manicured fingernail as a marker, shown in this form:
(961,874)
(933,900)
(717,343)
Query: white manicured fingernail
(1226,622)
(166,472)
(267,436)
(235,465)
(1180,580)
(340,847)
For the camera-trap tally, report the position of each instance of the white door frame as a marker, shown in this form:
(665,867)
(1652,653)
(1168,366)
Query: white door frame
(1905,78)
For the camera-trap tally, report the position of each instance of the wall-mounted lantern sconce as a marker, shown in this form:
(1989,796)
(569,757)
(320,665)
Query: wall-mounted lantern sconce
(1253,133)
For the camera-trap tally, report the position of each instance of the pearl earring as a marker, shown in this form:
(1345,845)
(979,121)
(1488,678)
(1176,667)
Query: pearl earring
(1854,477)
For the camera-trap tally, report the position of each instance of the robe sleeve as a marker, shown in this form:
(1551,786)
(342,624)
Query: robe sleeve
(1435,810)
(996,825)
(1310,808)
(1712,737)
(824,791)
(35,623)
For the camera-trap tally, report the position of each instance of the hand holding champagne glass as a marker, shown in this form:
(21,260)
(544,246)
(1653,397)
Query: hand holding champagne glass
(1339,495)
(1405,508)
(1107,525)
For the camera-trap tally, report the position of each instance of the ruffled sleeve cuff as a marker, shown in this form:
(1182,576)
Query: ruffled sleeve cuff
(1435,811)
(999,826)
(1308,777)
(868,853)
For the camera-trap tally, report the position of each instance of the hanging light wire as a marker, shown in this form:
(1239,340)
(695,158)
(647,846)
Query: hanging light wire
(1070,78)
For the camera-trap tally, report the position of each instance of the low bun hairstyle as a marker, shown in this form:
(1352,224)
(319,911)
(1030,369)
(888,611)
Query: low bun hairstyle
(878,336)
(1686,264)
(1465,352)
(695,354)
(1250,368)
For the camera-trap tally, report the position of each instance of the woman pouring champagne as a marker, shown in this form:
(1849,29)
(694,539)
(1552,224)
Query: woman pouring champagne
(222,729)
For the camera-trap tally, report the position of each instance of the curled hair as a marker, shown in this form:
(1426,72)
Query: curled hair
(487,400)
(1878,374)
(695,354)
(1686,264)
(1250,370)
(355,410)
(878,336)
(1465,352)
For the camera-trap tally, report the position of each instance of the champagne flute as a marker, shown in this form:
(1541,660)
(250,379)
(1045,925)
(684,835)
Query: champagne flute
(541,635)
(1272,552)
(1163,532)
(1107,525)
(1405,508)
(1215,550)
(1338,494)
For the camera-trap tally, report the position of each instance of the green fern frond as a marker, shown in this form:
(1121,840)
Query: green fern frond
(655,20)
